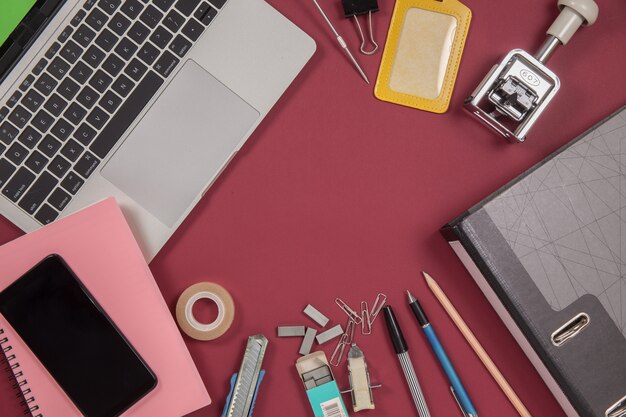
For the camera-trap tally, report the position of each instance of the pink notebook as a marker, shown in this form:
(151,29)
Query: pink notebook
(99,247)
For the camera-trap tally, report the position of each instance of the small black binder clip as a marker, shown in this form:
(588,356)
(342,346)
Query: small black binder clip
(354,8)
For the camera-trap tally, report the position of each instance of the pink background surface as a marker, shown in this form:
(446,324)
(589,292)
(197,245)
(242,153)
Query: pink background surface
(340,195)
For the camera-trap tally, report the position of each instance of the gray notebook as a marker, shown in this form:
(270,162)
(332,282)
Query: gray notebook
(549,251)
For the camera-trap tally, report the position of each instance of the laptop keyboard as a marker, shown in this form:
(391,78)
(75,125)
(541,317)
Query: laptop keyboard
(80,98)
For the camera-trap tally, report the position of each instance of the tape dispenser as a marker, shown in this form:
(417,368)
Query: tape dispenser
(514,93)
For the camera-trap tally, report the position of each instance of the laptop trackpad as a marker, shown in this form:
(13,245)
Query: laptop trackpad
(181,143)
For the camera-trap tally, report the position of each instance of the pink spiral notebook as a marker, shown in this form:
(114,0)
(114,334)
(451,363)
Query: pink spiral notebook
(99,247)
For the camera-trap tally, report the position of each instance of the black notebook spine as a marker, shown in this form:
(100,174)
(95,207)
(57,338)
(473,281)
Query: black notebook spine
(9,362)
(457,231)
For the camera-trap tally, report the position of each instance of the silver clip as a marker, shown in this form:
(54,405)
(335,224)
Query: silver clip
(570,329)
(358,25)
(337,357)
(366,324)
(458,402)
(350,331)
(346,339)
(379,302)
(618,409)
(353,315)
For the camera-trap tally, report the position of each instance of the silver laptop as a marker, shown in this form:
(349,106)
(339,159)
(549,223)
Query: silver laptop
(143,100)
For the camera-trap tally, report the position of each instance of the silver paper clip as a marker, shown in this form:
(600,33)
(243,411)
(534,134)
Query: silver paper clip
(337,357)
(347,338)
(366,324)
(379,302)
(353,315)
(350,331)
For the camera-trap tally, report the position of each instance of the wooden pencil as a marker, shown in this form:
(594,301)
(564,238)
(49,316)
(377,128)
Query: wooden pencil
(476,346)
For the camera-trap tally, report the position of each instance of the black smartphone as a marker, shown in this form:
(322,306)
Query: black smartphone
(75,340)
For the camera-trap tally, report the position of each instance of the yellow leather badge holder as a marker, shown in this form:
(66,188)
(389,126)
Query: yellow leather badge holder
(422,54)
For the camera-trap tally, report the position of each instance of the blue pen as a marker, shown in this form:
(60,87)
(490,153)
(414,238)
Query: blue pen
(457,387)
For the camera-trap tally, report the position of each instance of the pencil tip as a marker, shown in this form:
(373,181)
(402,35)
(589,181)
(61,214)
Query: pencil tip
(426,276)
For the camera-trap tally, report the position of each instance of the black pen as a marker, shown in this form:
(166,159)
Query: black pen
(399,344)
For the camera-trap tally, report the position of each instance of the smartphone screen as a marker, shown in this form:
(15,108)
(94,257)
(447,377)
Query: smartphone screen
(71,335)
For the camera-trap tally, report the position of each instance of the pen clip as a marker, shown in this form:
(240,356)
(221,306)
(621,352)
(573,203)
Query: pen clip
(459,403)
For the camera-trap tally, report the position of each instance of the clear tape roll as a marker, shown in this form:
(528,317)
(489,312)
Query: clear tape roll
(205,331)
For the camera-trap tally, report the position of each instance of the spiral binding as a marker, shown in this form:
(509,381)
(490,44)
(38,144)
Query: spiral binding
(20,383)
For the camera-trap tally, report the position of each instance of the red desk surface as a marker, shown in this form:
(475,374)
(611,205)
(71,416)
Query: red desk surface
(338,194)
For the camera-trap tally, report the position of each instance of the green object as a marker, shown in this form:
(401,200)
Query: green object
(326,400)
(11,14)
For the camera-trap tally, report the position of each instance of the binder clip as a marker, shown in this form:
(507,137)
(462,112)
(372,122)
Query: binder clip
(514,93)
(354,8)
(360,385)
